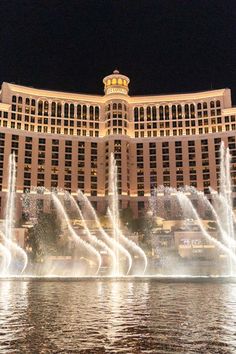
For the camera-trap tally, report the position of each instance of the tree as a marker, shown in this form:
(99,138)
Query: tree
(43,237)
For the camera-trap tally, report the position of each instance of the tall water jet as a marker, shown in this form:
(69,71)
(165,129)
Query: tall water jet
(10,206)
(113,212)
(226,193)
(114,207)
(90,249)
(9,215)
(106,238)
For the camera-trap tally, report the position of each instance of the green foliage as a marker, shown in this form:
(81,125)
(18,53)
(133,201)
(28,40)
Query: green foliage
(43,237)
(143,225)
(212,225)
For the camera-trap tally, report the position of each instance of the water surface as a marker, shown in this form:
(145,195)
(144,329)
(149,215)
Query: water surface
(117,317)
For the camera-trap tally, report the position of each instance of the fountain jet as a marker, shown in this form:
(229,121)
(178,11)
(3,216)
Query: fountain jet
(9,219)
(113,212)
(113,244)
(92,251)
(92,239)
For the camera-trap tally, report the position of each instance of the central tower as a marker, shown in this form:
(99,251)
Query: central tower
(116,88)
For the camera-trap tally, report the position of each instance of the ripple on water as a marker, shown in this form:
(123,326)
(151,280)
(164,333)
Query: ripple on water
(117,317)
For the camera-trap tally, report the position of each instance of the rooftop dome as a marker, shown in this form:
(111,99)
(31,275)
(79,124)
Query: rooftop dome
(116,83)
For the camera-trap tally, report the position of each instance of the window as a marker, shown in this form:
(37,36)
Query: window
(96,113)
(161,112)
(53,108)
(91,112)
(84,112)
(141,113)
(40,108)
(72,110)
(66,110)
(45,108)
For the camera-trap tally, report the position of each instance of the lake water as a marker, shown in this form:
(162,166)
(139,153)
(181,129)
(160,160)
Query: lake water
(117,317)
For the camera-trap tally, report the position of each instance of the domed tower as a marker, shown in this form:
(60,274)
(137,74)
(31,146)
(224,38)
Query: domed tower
(116,106)
(117,131)
(116,83)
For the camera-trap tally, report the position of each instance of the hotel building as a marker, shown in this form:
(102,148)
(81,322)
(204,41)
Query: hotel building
(64,140)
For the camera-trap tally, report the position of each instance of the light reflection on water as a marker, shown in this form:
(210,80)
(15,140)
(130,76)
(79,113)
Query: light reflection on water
(116,317)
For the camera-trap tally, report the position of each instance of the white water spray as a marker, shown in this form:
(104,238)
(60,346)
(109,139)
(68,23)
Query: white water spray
(113,213)
(92,239)
(74,235)
(110,241)
(187,207)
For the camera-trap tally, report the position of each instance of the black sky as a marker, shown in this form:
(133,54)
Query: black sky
(163,46)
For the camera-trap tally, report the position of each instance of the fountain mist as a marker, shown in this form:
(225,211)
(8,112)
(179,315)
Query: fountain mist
(90,249)
(91,238)
(11,246)
(106,238)
(113,212)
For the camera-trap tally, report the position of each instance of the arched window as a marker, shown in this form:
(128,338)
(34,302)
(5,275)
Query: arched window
(40,108)
(20,99)
(53,109)
(27,101)
(199,106)
(167,112)
(109,107)
(91,110)
(66,110)
(96,113)
(161,111)
(120,106)
(186,110)
(192,110)
(212,104)
(148,113)
(13,98)
(84,111)
(59,109)
(72,110)
(173,111)
(218,103)
(141,113)
(179,109)
(114,106)
(136,114)
(154,113)
(45,108)
(79,111)
(204,105)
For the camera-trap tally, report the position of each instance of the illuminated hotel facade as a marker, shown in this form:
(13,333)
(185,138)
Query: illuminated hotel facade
(64,140)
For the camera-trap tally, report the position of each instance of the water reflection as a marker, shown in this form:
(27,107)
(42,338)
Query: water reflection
(117,317)
(13,305)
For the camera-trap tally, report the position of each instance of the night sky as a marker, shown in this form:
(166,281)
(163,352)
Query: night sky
(163,46)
